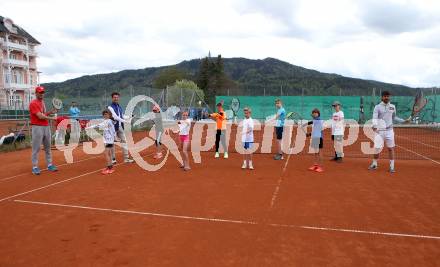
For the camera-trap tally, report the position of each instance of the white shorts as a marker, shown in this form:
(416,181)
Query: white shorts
(384,137)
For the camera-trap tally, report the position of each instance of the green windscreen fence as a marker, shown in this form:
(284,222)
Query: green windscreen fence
(263,106)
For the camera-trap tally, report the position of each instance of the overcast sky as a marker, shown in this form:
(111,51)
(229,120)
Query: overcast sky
(394,41)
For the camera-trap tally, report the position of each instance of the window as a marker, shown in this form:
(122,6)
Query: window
(15,101)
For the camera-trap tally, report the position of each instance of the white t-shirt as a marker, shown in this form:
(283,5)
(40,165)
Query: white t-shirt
(338,123)
(248,130)
(109,132)
(184,126)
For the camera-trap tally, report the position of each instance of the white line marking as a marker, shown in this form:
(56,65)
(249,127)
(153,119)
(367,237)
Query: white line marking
(356,231)
(415,141)
(64,164)
(153,214)
(420,155)
(137,212)
(60,182)
(275,193)
(50,185)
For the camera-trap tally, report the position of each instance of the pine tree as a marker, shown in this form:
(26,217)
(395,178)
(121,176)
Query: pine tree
(204,74)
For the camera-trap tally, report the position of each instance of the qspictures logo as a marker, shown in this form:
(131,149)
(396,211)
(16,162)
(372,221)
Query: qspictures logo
(168,126)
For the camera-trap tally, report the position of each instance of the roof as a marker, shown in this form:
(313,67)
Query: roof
(20,31)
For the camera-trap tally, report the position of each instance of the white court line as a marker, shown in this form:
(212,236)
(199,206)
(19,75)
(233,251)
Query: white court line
(60,182)
(64,164)
(50,185)
(411,140)
(154,214)
(420,155)
(275,192)
(356,231)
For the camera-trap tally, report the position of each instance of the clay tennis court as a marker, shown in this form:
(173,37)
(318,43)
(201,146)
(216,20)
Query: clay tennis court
(220,215)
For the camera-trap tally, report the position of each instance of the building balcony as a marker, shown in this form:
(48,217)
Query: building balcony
(16,62)
(21,47)
(18,86)
(32,52)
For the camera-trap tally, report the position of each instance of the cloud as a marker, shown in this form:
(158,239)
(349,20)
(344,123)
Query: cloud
(390,40)
(394,17)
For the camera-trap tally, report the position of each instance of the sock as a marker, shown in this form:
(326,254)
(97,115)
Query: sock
(375,162)
(392,164)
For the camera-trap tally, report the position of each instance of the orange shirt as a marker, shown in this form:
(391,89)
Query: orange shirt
(220,120)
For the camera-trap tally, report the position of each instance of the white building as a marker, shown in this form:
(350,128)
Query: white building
(18,73)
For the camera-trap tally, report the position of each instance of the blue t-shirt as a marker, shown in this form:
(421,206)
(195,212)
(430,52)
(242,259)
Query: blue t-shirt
(281,117)
(74,112)
(317,127)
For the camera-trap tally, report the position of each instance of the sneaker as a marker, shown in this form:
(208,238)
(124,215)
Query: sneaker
(251,167)
(217,155)
(52,168)
(278,157)
(339,160)
(392,170)
(186,168)
(319,169)
(128,160)
(244,165)
(36,171)
(313,168)
(225,156)
(372,167)
(114,161)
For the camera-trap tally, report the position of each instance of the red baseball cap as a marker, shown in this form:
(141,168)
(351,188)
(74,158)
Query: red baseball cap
(39,89)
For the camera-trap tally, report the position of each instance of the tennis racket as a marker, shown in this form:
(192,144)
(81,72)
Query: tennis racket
(57,104)
(298,120)
(419,103)
(235,106)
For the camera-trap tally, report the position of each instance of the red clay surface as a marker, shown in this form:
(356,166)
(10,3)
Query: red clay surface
(218,214)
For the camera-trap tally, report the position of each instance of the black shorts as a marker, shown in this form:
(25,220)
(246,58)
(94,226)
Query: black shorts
(279,132)
(109,145)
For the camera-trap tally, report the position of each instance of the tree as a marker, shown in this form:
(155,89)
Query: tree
(184,93)
(168,77)
(203,75)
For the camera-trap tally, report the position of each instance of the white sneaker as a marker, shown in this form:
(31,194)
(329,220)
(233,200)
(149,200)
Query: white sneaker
(251,167)
(226,155)
(114,161)
(244,165)
(217,155)
(372,167)
(128,160)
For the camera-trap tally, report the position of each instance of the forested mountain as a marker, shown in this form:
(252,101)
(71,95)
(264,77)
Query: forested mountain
(241,76)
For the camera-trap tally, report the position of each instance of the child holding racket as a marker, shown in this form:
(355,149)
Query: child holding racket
(184,128)
(316,142)
(108,135)
(158,122)
(338,131)
(280,117)
(247,139)
(220,118)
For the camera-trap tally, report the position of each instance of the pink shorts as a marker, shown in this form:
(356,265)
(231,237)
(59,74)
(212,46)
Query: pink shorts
(184,138)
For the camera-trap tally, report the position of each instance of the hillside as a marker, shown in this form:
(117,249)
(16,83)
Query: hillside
(252,77)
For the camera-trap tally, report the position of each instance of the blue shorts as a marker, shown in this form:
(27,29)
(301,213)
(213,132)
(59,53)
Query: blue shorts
(248,145)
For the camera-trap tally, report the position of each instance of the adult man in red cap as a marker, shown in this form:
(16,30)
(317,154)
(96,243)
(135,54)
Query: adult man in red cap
(40,130)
